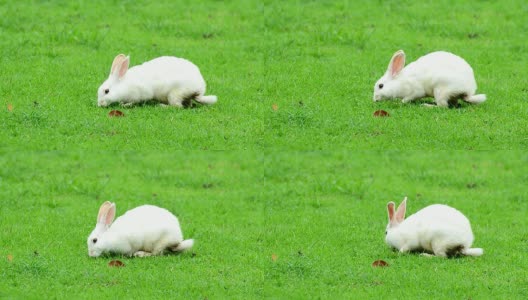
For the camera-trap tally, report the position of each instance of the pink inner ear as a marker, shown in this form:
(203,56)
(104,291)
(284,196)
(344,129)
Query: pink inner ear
(397,64)
(390,210)
(400,212)
(110,214)
(102,211)
(123,68)
(116,63)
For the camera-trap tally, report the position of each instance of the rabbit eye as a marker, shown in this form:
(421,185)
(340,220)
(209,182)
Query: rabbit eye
(94,240)
(380,85)
(107,91)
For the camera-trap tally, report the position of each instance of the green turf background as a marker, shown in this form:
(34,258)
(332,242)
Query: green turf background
(283,183)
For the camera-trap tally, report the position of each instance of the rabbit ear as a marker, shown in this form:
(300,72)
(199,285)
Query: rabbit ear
(400,212)
(106,213)
(102,211)
(117,62)
(123,67)
(397,63)
(110,214)
(390,210)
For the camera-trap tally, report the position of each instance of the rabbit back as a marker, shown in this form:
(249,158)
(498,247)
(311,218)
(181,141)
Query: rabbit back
(146,228)
(438,225)
(167,73)
(442,69)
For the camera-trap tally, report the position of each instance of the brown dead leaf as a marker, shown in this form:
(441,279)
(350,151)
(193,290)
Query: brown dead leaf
(274,257)
(9,257)
(116,113)
(275,107)
(381,113)
(380,263)
(9,107)
(116,264)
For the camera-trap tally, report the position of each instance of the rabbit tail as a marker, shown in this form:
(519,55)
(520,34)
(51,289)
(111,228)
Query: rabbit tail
(206,99)
(473,251)
(475,99)
(183,246)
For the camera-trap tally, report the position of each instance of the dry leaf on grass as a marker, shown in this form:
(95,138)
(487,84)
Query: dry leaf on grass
(275,107)
(116,113)
(10,107)
(380,263)
(116,264)
(274,257)
(381,113)
(9,257)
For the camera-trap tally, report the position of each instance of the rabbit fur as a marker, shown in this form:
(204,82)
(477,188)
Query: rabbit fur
(169,80)
(442,75)
(143,231)
(438,229)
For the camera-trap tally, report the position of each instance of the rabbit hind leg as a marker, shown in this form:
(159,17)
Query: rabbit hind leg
(182,98)
(441,97)
(176,98)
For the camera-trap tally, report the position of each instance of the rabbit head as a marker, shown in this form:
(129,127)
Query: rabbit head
(105,218)
(388,87)
(110,92)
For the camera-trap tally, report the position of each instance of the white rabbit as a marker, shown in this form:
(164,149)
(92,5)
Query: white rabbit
(442,75)
(169,80)
(438,229)
(143,231)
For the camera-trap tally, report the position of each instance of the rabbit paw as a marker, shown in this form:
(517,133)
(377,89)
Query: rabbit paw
(429,105)
(127,104)
(142,254)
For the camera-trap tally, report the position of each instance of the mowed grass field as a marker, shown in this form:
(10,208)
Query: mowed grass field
(279,225)
(289,75)
(284,182)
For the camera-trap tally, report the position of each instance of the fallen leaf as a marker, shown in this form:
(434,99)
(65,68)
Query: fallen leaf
(275,107)
(380,263)
(116,113)
(116,264)
(10,107)
(381,113)
(274,257)
(9,257)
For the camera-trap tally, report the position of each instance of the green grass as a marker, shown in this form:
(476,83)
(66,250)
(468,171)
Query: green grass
(283,183)
(326,55)
(321,214)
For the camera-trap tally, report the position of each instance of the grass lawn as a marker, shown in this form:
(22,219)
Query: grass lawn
(281,225)
(284,182)
(316,61)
